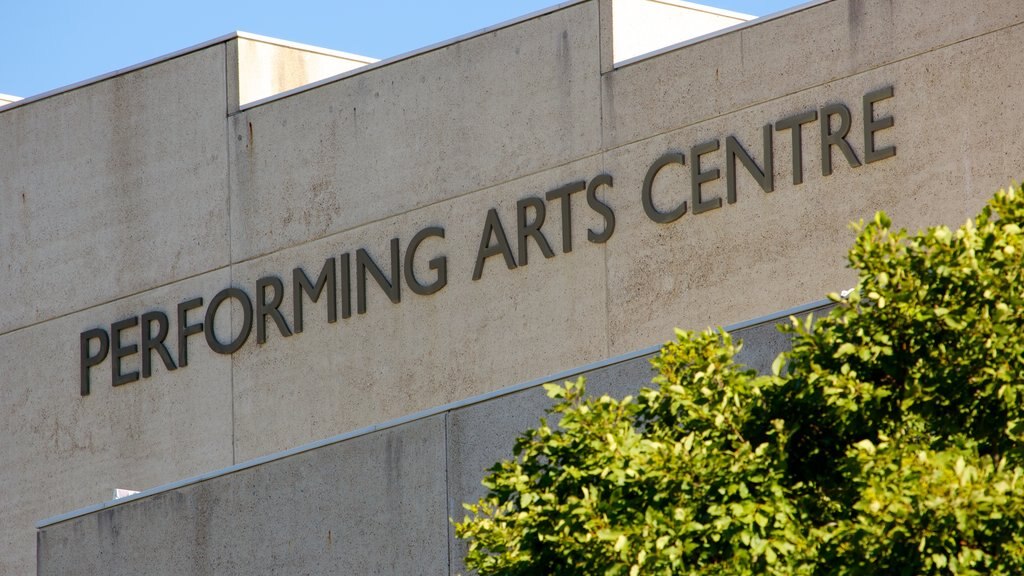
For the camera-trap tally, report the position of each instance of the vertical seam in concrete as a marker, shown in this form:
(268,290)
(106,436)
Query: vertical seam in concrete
(447,495)
(231,269)
(601,54)
(600,81)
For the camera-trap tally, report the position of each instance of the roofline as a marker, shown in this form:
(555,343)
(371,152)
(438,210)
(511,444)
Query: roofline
(183,52)
(706,9)
(413,53)
(741,26)
(373,64)
(122,71)
(542,12)
(306,47)
(421,415)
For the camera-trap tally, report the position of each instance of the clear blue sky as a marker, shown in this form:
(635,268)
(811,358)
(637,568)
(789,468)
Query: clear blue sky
(48,44)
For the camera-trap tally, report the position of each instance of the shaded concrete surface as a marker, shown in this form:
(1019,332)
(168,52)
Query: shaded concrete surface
(371,505)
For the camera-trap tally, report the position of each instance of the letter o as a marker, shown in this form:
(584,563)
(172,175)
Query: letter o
(211,314)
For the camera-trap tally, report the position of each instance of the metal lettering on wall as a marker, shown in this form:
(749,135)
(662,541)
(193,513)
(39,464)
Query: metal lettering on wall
(334,281)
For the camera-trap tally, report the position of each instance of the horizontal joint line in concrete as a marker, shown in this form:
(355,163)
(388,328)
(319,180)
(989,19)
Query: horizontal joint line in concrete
(233,262)
(430,204)
(496,184)
(117,299)
(415,416)
(809,87)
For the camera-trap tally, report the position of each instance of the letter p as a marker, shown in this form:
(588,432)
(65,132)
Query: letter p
(88,361)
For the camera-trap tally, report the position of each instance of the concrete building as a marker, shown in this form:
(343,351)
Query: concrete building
(300,299)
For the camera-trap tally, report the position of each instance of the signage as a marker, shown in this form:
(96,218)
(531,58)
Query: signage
(342,280)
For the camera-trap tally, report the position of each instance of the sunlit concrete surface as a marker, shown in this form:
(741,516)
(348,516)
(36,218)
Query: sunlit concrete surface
(142,209)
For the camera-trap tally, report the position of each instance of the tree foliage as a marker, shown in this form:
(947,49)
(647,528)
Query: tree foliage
(889,440)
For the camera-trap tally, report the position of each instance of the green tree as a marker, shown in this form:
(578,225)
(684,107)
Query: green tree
(889,440)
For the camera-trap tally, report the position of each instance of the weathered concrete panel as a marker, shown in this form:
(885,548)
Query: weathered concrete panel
(113,188)
(370,505)
(62,451)
(266,67)
(457,119)
(437,139)
(642,26)
(788,247)
(468,338)
(479,436)
(482,434)
(783,56)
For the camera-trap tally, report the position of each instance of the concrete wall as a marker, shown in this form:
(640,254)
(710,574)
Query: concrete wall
(266,66)
(110,195)
(390,151)
(642,26)
(384,154)
(113,199)
(374,503)
(138,192)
